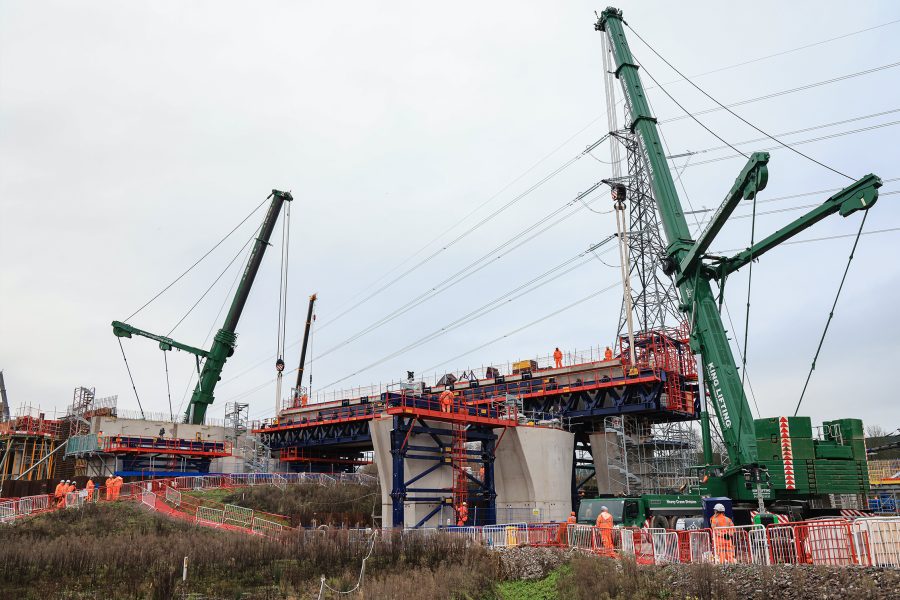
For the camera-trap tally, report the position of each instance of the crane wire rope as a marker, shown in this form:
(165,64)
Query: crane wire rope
(199,260)
(783,52)
(281,331)
(128,368)
(734,114)
(831,313)
(215,281)
(741,351)
(212,328)
(472,268)
(168,387)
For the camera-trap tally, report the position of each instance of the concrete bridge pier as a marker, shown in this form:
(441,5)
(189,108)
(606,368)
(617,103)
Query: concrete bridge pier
(533,474)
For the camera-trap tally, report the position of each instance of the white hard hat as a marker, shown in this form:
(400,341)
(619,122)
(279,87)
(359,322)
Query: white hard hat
(719,507)
(603,508)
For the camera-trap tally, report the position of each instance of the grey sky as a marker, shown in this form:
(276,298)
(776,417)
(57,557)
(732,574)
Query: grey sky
(134,135)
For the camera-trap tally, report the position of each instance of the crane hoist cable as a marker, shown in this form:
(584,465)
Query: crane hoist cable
(168,387)
(282,304)
(831,313)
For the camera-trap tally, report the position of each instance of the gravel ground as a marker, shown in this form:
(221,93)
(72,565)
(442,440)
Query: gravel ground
(735,581)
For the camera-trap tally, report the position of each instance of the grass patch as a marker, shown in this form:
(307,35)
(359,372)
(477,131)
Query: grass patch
(541,589)
(305,504)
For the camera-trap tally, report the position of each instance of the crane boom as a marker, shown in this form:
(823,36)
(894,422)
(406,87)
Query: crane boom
(687,261)
(225,340)
(309,319)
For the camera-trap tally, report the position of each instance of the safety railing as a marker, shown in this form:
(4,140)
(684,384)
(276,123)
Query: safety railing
(812,543)
(173,496)
(471,533)
(666,548)
(547,534)
(134,443)
(7,511)
(746,544)
(580,537)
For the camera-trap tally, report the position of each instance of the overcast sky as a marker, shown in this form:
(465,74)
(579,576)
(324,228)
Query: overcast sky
(135,135)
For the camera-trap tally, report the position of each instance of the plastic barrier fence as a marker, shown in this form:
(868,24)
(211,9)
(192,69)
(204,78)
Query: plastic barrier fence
(173,496)
(148,498)
(547,534)
(264,527)
(627,541)
(665,547)
(473,534)
(696,546)
(877,541)
(210,516)
(504,536)
(238,515)
(7,511)
(580,536)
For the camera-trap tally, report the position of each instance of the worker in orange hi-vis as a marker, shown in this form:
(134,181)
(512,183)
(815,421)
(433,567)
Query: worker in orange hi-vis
(557,358)
(605,525)
(608,355)
(445,400)
(723,529)
(462,514)
(90,489)
(117,487)
(59,491)
(109,487)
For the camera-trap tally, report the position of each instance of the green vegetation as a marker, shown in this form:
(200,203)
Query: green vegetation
(347,504)
(540,589)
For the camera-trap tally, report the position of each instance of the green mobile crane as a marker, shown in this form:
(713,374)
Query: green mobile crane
(225,340)
(764,457)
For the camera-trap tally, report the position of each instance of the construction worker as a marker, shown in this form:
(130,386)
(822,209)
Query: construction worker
(607,354)
(605,525)
(722,528)
(557,358)
(445,400)
(59,492)
(90,489)
(462,514)
(117,486)
(109,487)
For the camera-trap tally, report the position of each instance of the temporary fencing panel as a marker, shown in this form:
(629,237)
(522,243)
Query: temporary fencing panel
(825,543)
(606,541)
(665,547)
(74,500)
(7,511)
(502,536)
(238,515)
(877,541)
(782,547)
(210,516)
(696,546)
(627,541)
(279,481)
(547,534)
(173,496)
(580,536)
(744,545)
(264,527)
(643,544)
(148,498)
(473,534)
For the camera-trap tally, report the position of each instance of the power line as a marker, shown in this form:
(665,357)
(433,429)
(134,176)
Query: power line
(479,207)
(510,296)
(210,251)
(734,114)
(783,52)
(796,131)
(801,142)
(786,92)
(820,239)
(469,231)
(524,327)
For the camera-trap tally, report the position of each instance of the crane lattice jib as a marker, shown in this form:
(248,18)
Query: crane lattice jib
(686,258)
